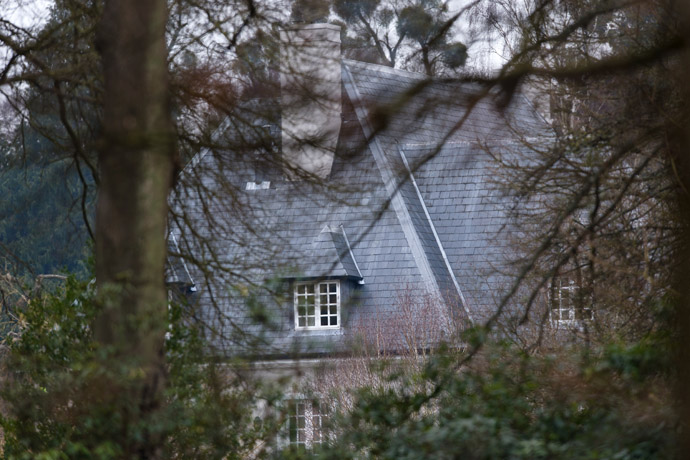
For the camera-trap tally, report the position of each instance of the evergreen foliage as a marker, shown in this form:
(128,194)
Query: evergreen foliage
(418,31)
(507,404)
(54,373)
(42,226)
(47,173)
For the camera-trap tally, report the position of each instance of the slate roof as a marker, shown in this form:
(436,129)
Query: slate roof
(411,206)
(329,256)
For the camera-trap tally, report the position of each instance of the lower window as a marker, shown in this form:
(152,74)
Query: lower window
(306,423)
(317,305)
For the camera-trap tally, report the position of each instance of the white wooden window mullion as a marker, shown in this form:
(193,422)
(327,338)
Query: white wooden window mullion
(317,305)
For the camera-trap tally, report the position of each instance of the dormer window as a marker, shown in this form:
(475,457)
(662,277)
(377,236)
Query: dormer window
(566,302)
(317,305)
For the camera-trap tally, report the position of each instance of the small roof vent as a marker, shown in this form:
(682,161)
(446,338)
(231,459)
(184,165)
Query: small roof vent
(263,185)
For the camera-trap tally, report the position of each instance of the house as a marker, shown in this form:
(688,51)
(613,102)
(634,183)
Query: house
(393,196)
(406,201)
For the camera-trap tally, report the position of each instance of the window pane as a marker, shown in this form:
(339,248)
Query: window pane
(313,311)
(293,430)
(334,320)
(554,299)
(583,313)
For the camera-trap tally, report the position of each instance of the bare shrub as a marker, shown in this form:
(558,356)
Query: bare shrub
(384,349)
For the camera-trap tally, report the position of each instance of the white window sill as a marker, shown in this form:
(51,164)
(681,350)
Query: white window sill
(330,331)
(569,323)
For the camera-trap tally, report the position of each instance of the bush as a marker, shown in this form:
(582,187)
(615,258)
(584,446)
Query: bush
(504,403)
(55,374)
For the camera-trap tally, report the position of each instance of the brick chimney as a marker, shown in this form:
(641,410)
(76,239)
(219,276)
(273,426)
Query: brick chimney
(310,79)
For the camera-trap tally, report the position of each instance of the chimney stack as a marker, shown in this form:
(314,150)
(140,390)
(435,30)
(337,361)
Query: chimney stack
(310,80)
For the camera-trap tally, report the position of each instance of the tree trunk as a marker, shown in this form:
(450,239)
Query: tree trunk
(681,160)
(425,60)
(136,166)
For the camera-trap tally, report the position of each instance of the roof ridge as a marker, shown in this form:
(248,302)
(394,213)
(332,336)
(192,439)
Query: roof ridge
(387,69)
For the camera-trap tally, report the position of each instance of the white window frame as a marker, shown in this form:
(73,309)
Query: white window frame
(562,308)
(306,423)
(301,291)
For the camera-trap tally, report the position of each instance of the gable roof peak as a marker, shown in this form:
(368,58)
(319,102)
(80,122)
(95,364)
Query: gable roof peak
(328,228)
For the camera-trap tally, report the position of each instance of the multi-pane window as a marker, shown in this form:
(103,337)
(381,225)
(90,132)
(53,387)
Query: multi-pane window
(306,423)
(567,303)
(317,305)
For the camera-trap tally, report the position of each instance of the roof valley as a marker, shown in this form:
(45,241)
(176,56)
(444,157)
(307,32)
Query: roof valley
(433,275)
